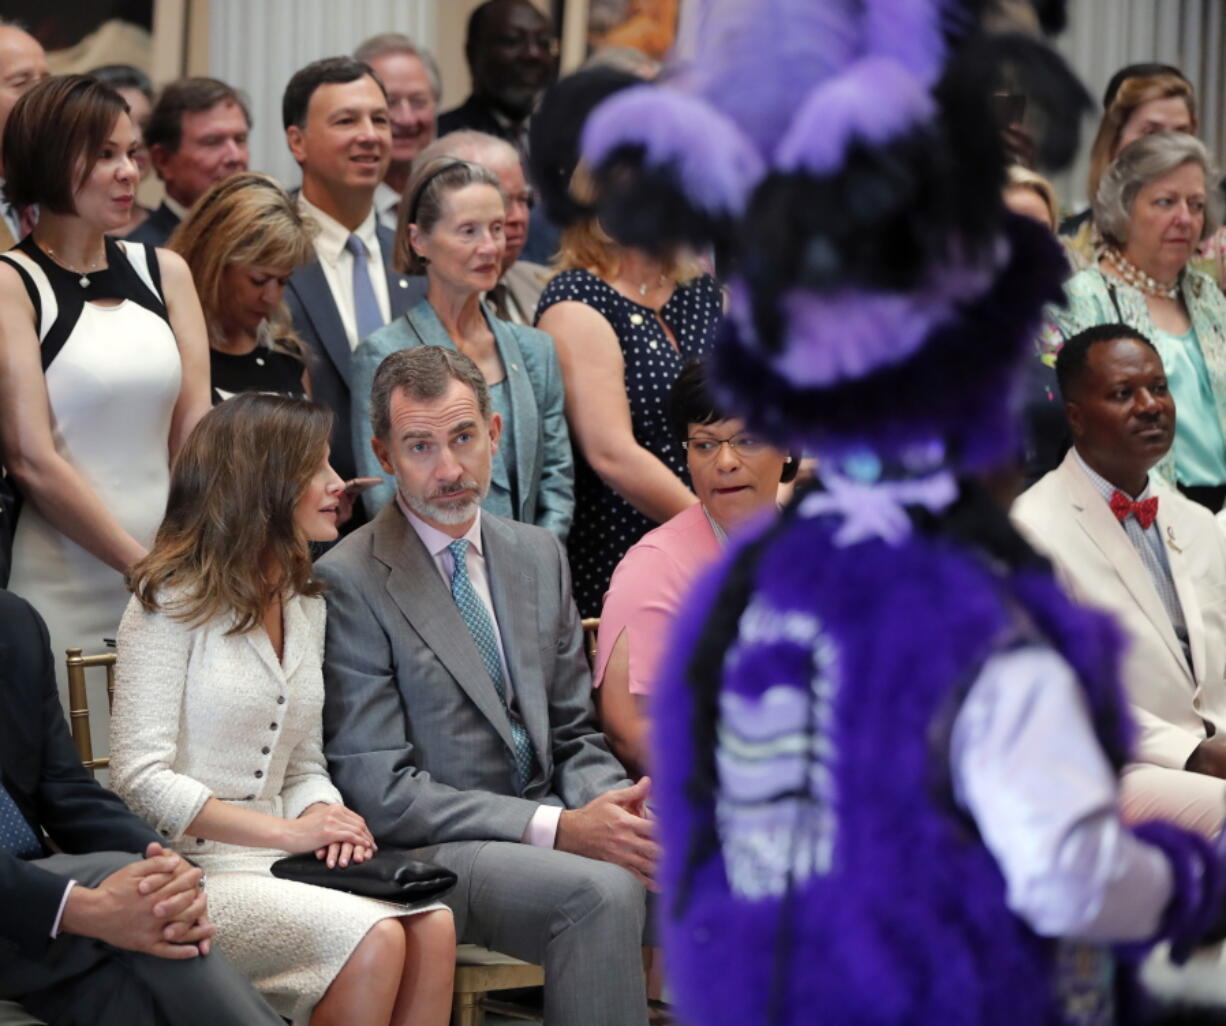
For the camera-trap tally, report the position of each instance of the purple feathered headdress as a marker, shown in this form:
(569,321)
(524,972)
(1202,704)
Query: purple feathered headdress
(843,160)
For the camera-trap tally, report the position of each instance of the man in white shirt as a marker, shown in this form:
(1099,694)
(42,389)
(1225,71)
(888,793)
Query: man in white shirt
(1123,541)
(414,88)
(338,129)
(22,65)
(197,135)
(458,717)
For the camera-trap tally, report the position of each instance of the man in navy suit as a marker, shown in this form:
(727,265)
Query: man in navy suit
(112,931)
(338,129)
(197,135)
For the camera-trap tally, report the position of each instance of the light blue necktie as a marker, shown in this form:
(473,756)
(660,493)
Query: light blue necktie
(366,311)
(477,619)
(16,835)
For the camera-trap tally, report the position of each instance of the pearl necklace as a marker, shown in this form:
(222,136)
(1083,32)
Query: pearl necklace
(83,281)
(1139,280)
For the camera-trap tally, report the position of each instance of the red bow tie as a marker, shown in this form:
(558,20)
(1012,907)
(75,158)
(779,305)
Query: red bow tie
(1145,511)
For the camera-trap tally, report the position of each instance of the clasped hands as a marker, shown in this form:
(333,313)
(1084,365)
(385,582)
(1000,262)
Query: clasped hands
(156,906)
(333,832)
(616,828)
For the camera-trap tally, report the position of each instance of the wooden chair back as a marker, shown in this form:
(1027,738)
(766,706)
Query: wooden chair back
(78,702)
(591,628)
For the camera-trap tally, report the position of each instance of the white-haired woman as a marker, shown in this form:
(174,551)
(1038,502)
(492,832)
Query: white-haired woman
(1155,204)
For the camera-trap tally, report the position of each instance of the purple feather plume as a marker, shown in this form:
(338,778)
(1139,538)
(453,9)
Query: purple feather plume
(874,101)
(717,165)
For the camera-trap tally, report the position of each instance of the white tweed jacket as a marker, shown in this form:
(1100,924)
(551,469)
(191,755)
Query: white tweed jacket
(201,714)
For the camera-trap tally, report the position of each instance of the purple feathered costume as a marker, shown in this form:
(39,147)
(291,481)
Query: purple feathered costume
(842,159)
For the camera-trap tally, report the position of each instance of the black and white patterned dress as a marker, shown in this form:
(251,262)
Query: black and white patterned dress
(113,376)
(605,524)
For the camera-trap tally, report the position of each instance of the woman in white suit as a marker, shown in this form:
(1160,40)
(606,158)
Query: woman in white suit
(217,728)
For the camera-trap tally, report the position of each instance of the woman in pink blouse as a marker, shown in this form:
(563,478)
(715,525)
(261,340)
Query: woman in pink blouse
(736,476)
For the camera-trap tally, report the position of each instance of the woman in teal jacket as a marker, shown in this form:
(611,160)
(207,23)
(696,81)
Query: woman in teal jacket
(452,229)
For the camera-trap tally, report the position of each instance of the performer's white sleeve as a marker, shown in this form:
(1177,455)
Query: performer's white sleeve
(1028,768)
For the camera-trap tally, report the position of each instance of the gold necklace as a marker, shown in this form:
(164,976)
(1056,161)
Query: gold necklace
(83,281)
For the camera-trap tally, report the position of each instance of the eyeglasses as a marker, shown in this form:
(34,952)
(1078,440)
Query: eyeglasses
(417,102)
(706,448)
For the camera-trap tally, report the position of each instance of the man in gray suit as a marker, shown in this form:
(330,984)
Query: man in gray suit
(458,717)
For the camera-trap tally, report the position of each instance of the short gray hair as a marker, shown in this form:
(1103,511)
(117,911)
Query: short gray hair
(468,144)
(397,42)
(1143,161)
(424,373)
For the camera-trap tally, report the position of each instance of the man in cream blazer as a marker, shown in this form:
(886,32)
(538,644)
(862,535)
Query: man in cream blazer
(1123,541)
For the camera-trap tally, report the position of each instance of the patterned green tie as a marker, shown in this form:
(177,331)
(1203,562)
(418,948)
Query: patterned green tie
(477,619)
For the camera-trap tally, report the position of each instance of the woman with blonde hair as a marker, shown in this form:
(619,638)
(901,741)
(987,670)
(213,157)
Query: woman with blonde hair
(1028,193)
(217,731)
(242,240)
(625,324)
(1140,99)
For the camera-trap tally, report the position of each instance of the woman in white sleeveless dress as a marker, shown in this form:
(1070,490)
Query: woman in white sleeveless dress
(217,738)
(103,365)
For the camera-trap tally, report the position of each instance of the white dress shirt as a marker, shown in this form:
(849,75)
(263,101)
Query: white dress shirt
(337,264)
(11,215)
(387,205)
(175,207)
(1028,768)
(1148,543)
(542,829)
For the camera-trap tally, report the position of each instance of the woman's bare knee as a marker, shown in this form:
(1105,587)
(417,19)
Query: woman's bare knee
(431,933)
(384,942)
(365,989)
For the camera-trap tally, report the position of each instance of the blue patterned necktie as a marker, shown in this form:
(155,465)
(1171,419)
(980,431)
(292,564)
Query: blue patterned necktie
(477,619)
(366,313)
(16,835)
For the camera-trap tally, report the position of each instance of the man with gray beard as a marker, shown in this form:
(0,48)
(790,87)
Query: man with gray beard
(458,718)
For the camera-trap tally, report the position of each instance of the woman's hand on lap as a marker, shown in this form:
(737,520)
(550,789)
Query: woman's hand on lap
(330,829)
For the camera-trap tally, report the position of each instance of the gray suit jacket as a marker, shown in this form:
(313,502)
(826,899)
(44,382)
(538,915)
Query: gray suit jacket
(416,737)
(544,465)
(525,281)
(319,325)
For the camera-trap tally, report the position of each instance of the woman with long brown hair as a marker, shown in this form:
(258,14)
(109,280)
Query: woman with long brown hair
(242,240)
(217,732)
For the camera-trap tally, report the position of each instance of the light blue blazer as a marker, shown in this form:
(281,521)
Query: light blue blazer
(544,467)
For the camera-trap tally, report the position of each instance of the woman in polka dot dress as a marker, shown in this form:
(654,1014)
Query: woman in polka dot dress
(624,325)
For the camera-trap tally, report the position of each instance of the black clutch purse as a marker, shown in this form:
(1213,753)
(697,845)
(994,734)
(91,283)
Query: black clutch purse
(391,875)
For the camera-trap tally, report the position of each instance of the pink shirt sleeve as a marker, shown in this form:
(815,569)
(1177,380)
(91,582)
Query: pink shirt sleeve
(647,591)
